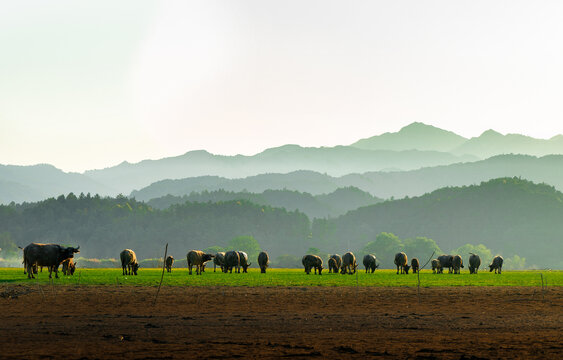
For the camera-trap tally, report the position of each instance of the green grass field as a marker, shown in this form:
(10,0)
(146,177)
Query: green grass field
(285,277)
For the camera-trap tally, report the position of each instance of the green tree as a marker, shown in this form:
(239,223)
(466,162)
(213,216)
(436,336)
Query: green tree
(385,246)
(213,249)
(515,263)
(248,244)
(287,262)
(421,248)
(8,248)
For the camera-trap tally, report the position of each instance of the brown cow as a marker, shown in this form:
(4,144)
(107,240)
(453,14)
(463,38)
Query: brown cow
(402,262)
(198,258)
(415,265)
(129,262)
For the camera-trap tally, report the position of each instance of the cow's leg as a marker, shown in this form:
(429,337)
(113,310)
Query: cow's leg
(190,269)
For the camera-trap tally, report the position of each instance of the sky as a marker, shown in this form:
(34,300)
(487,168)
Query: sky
(90,84)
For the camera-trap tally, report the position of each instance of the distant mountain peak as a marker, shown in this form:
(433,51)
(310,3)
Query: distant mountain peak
(490,133)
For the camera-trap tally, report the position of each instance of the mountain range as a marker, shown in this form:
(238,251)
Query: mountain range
(382,160)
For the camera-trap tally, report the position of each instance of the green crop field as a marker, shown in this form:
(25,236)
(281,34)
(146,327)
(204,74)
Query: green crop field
(286,277)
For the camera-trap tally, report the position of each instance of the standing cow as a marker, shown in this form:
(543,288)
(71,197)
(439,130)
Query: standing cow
(198,259)
(445,262)
(169,262)
(69,267)
(263,261)
(232,260)
(457,264)
(219,260)
(129,262)
(474,263)
(244,261)
(415,265)
(370,263)
(435,266)
(402,263)
(496,264)
(337,259)
(312,261)
(348,263)
(50,255)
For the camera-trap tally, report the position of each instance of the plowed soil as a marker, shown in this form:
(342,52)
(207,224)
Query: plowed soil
(87,322)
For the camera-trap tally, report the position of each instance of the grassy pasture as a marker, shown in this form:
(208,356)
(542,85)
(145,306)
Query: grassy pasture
(285,277)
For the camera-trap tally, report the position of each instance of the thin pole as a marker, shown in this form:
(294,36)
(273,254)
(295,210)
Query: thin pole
(162,276)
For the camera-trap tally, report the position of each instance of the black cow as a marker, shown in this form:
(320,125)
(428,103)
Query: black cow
(402,263)
(370,263)
(445,262)
(50,255)
(415,265)
(496,264)
(474,263)
(263,261)
(232,260)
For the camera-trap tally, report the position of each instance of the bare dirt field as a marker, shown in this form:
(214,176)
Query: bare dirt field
(90,322)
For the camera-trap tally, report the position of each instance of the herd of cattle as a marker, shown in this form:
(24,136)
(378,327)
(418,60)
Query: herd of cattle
(52,256)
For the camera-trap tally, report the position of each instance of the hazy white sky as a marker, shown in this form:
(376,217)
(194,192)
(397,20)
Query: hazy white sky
(89,84)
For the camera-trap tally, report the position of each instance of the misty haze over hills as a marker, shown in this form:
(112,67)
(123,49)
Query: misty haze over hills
(389,163)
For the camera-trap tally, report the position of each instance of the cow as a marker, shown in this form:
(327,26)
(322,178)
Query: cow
(348,263)
(436,266)
(232,260)
(474,263)
(370,263)
(219,260)
(312,261)
(263,261)
(338,259)
(496,264)
(169,262)
(457,264)
(445,262)
(50,255)
(415,265)
(332,265)
(402,263)
(129,262)
(33,267)
(198,258)
(69,267)
(243,261)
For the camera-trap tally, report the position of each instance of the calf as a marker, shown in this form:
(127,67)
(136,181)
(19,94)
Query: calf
(198,258)
(401,261)
(415,265)
(219,260)
(435,266)
(69,267)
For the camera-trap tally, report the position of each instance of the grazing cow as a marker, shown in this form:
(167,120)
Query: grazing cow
(333,265)
(496,264)
(445,262)
(69,267)
(312,261)
(338,259)
(415,265)
(370,263)
(402,263)
(232,260)
(50,255)
(436,266)
(243,261)
(474,263)
(348,263)
(129,262)
(263,261)
(219,260)
(169,262)
(198,258)
(457,264)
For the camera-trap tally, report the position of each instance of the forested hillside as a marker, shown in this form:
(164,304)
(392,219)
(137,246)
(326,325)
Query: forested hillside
(105,226)
(314,206)
(509,215)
